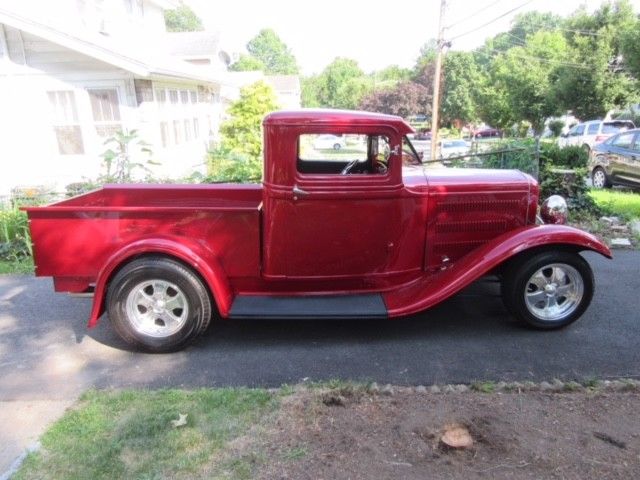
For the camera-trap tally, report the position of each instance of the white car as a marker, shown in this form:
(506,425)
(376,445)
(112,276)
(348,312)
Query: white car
(453,148)
(589,134)
(329,142)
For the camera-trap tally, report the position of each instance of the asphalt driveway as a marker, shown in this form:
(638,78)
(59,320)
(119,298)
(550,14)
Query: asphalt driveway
(48,357)
(47,353)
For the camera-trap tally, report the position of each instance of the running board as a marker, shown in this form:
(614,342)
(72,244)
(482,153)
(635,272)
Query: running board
(317,306)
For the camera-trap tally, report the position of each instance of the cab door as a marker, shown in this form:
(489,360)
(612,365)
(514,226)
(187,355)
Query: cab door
(342,217)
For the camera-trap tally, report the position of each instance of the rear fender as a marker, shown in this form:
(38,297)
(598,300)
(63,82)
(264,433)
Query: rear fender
(191,253)
(434,288)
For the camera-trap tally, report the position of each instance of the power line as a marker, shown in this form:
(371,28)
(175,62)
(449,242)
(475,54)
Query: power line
(559,63)
(491,21)
(462,20)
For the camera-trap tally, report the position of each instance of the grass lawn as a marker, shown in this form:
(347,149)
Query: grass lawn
(16,266)
(129,434)
(622,203)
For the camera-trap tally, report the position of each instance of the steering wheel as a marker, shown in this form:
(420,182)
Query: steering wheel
(348,167)
(380,167)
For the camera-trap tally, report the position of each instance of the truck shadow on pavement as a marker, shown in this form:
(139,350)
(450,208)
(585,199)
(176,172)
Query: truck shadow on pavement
(476,311)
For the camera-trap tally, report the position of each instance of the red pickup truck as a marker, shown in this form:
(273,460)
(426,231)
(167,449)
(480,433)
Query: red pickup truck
(362,230)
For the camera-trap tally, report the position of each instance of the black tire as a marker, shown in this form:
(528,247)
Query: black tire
(516,286)
(599,178)
(181,286)
(337,146)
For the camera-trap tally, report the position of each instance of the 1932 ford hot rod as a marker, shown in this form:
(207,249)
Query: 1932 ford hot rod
(331,233)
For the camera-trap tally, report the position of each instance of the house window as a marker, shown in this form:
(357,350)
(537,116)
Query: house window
(196,128)
(177,110)
(106,111)
(66,125)
(177,132)
(187,130)
(164,133)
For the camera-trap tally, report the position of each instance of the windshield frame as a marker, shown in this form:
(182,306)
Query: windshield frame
(413,150)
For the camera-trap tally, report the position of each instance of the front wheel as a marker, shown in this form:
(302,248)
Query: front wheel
(158,305)
(548,290)
(599,178)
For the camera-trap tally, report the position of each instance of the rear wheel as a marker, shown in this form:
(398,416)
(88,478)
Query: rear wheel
(548,290)
(158,305)
(337,146)
(599,178)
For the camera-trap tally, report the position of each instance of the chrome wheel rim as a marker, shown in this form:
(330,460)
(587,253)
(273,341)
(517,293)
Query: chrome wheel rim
(598,179)
(157,308)
(554,292)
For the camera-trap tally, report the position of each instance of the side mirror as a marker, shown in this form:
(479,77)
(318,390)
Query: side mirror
(564,135)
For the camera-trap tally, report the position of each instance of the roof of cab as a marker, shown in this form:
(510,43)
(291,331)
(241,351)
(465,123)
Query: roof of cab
(336,117)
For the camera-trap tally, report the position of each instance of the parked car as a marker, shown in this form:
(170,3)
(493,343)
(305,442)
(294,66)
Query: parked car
(328,142)
(453,148)
(616,161)
(320,238)
(486,132)
(591,133)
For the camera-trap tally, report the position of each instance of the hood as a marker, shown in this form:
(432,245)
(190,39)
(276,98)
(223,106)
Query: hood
(478,180)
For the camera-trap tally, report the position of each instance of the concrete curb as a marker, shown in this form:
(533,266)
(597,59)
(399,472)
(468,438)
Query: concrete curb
(17,463)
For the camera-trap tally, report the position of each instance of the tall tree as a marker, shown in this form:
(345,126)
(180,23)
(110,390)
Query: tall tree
(526,75)
(342,84)
(182,19)
(242,132)
(247,63)
(597,81)
(404,99)
(461,87)
(268,49)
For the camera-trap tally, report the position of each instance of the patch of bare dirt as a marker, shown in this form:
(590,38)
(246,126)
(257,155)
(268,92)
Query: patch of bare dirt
(348,434)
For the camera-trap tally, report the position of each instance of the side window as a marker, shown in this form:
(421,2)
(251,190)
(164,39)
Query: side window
(343,154)
(636,144)
(593,129)
(623,140)
(579,130)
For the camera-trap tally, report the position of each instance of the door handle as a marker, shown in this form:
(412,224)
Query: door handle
(298,192)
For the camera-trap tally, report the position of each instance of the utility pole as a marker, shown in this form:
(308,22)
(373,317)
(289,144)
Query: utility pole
(435,107)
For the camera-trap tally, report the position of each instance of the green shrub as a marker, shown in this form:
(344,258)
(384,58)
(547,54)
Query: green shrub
(556,127)
(78,188)
(230,166)
(563,157)
(15,241)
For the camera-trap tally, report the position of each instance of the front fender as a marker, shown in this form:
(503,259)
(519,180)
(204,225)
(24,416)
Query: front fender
(193,254)
(434,288)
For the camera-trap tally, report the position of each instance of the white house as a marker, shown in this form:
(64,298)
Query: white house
(286,87)
(72,72)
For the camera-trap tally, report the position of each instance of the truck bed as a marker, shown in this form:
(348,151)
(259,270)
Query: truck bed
(74,238)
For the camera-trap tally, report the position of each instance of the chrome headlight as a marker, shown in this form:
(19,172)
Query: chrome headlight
(554,210)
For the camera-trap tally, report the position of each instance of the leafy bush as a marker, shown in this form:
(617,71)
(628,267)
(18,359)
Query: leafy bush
(78,188)
(15,241)
(231,166)
(567,157)
(556,127)
(555,179)
(119,162)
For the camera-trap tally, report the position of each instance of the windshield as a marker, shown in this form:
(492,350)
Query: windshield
(615,127)
(409,154)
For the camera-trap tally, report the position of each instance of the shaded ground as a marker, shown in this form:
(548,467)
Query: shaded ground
(351,435)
